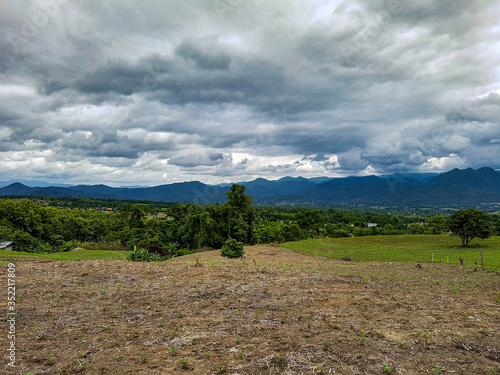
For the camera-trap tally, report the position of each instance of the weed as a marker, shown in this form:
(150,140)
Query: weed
(220,368)
(437,371)
(425,336)
(388,370)
(496,298)
(185,363)
(173,350)
(320,369)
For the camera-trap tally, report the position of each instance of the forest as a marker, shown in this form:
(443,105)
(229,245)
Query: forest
(172,229)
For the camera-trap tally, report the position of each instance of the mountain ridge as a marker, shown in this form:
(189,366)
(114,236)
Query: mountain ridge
(455,188)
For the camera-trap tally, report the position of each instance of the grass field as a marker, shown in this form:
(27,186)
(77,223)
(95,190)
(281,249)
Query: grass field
(8,256)
(416,248)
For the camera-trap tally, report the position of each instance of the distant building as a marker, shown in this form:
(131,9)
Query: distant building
(8,245)
(372,225)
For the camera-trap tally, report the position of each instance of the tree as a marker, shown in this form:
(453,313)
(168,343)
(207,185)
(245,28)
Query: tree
(310,220)
(134,216)
(469,224)
(415,228)
(437,224)
(240,213)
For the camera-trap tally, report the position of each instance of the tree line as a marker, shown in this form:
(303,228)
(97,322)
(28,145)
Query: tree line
(185,227)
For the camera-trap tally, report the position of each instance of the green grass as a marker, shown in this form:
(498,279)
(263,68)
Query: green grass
(407,248)
(6,256)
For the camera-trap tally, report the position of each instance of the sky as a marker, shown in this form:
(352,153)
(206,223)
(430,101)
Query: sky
(154,92)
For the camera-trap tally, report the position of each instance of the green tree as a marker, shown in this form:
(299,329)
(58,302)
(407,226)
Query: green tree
(240,213)
(469,224)
(415,228)
(437,224)
(134,216)
(310,220)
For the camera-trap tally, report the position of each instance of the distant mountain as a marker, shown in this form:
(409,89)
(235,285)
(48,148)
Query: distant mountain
(486,179)
(261,188)
(32,183)
(456,188)
(17,189)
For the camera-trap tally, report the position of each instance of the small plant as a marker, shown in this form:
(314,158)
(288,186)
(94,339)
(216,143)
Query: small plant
(425,336)
(361,336)
(437,371)
(320,369)
(220,368)
(388,370)
(232,249)
(185,363)
(144,358)
(496,298)
(173,350)
(142,255)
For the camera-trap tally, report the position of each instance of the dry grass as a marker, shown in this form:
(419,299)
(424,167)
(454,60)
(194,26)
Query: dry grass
(277,311)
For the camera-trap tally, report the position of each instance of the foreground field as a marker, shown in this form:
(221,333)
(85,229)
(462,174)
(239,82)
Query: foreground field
(409,248)
(277,311)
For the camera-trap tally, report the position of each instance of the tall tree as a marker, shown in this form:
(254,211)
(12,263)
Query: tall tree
(469,224)
(240,213)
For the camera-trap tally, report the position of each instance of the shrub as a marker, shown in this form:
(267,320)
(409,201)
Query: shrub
(142,255)
(232,249)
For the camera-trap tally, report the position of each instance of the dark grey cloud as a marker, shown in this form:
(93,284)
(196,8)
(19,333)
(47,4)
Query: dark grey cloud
(197,159)
(156,92)
(203,60)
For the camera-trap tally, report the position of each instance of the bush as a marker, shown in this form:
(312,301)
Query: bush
(142,255)
(232,249)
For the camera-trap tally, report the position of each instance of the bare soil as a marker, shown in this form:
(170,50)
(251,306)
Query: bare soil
(274,312)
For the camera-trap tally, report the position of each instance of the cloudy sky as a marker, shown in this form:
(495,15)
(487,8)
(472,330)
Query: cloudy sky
(151,92)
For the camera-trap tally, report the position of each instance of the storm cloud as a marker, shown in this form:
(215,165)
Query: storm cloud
(164,91)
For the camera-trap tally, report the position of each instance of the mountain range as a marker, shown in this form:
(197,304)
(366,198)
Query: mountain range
(455,189)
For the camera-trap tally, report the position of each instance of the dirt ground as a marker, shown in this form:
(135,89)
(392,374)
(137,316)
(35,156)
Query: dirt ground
(274,312)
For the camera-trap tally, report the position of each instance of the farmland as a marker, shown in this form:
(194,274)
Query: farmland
(276,311)
(418,248)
